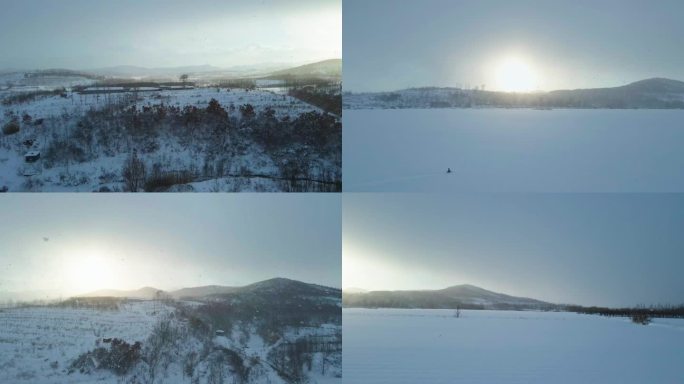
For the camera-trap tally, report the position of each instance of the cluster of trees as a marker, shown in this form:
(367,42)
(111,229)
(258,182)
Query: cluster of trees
(224,357)
(61,73)
(246,84)
(96,303)
(326,98)
(293,359)
(243,313)
(666,311)
(186,338)
(640,318)
(119,358)
(305,148)
(137,178)
(610,98)
(149,359)
(14,123)
(25,97)
(130,85)
(403,300)
(271,316)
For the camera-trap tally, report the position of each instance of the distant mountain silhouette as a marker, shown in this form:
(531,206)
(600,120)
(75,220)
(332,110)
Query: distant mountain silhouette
(655,93)
(459,296)
(649,93)
(656,85)
(355,290)
(266,289)
(323,69)
(206,290)
(142,293)
(274,304)
(281,286)
(326,68)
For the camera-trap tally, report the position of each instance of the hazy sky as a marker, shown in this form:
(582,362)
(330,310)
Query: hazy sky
(77,243)
(393,44)
(605,249)
(82,34)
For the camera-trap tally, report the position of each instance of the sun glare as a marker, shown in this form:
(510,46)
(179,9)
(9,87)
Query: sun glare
(515,75)
(89,271)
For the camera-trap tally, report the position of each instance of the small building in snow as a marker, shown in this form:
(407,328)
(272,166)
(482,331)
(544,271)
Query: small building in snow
(32,156)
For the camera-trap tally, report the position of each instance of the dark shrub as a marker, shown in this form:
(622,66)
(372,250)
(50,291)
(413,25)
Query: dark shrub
(10,128)
(119,358)
(198,326)
(63,152)
(163,181)
(247,111)
(214,108)
(641,318)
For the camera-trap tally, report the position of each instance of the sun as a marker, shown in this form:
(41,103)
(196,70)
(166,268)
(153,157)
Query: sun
(514,74)
(90,270)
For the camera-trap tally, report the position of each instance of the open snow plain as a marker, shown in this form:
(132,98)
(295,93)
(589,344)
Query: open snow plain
(432,346)
(513,150)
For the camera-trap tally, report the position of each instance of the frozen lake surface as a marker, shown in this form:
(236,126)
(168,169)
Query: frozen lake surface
(432,346)
(513,150)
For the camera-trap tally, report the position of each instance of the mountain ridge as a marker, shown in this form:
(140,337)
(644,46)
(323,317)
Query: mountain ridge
(463,296)
(260,69)
(273,284)
(325,68)
(653,93)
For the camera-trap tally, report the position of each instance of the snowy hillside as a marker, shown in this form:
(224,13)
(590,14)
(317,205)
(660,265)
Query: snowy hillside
(458,296)
(327,69)
(656,93)
(16,82)
(272,287)
(212,339)
(38,344)
(201,291)
(184,139)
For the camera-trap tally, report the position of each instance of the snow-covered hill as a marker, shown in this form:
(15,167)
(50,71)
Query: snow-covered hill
(242,337)
(206,290)
(655,93)
(85,138)
(458,296)
(276,286)
(327,69)
(38,344)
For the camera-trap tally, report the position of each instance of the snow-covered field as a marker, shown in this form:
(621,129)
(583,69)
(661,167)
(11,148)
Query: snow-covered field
(39,344)
(513,150)
(13,82)
(76,103)
(61,113)
(432,346)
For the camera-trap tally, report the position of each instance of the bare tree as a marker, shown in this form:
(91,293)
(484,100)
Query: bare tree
(134,173)
(184,78)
